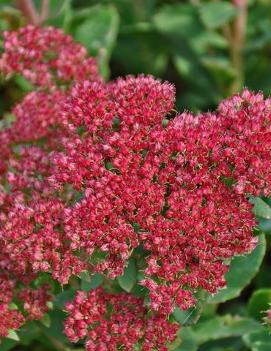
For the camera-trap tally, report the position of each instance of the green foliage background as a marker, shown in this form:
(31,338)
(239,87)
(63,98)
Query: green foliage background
(197,46)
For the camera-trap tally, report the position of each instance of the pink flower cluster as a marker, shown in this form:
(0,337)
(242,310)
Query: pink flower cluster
(46,56)
(35,301)
(31,216)
(34,304)
(184,186)
(116,321)
(96,173)
(36,118)
(9,318)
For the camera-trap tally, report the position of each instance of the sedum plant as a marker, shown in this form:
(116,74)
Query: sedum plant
(105,181)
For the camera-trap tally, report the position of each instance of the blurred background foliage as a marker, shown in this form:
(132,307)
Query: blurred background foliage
(209,50)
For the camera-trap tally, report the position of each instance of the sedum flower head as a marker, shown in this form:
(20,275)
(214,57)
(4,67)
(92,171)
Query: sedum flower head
(91,175)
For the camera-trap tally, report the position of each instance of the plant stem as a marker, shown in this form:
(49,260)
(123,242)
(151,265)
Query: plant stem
(30,12)
(44,10)
(237,41)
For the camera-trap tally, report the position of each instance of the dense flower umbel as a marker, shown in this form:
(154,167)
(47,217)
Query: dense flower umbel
(92,172)
(245,135)
(10,320)
(35,301)
(181,188)
(36,117)
(29,213)
(120,321)
(34,304)
(46,56)
(106,159)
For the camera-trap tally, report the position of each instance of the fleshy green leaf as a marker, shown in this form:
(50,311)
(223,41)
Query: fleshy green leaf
(128,279)
(258,340)
(224,327)
(46,321)
(259,302)
(7,344)
(61,299)
(29,332)
(13,306)
(13,335)
(265,225)
(216,14)
(242,270)
(93,283)
(60,14)
(188,317)
(55,330)
(98,33)
(188,340)
(219,66)
(214,329)
(261,208)
(262,346)
(178,19)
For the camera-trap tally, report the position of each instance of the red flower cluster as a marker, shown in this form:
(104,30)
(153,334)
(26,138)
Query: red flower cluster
(31,239)
(10,320)
(34,304)
(99,172)
(36,118)
(46,56)
(116,321)
(35,301)
(182,183)
(107,158)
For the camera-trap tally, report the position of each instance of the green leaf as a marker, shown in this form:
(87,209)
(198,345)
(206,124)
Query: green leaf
(13,335)
(258,340)
(7,344)
(188,317)
(98,33)
(128,279)
(259,302)
(50,305)
(173,346)
(29,332)
(264,225)
(46,321)
(94,282)
(262,211)
(56,328)
(61,299)
(183,65)
(13,306)
(23,83)
(262,346)
(216,14)
(219,65)
(242,270)
(141,53)
(85,275)
(60,14)
(207,39)
(177,19)
(224,327)
(188,341)
(261,208)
